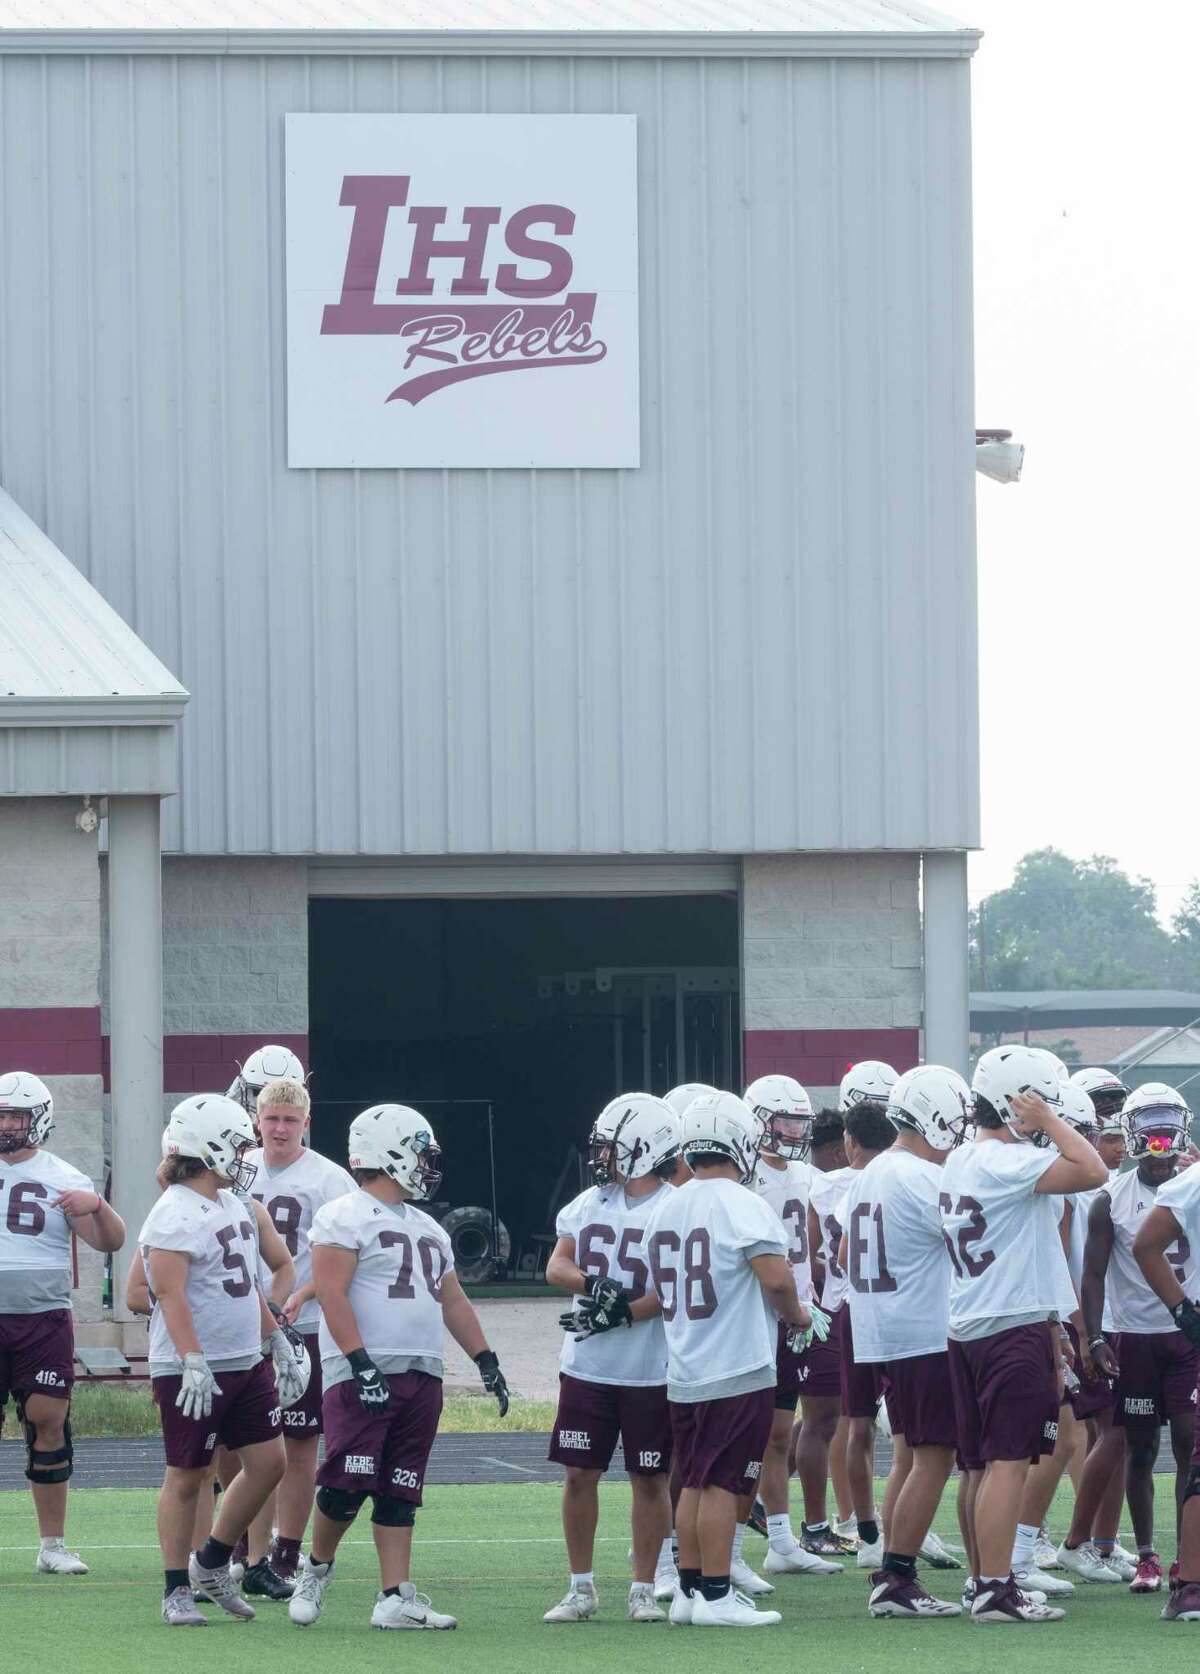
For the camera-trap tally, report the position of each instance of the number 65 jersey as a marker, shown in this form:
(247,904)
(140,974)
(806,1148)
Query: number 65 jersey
(610,1234)
(220,1240)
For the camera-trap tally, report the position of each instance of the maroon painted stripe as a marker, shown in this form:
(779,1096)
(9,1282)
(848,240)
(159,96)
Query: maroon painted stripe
(820,1057)
(208,1063)
(51,1040)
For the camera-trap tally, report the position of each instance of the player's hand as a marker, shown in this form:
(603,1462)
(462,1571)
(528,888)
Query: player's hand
(1191,1155)
(601,1292)
(1187,1317)
(77,1203)
(290,1312)
(605,1311)
(1032,1112)
(493,1378)
(1103,1359)
(799,1337)
(197,1387)
(374,1394)
(282,1346)
(1066,1348)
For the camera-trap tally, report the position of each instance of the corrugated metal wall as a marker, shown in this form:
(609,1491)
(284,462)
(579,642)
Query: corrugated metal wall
(762,640)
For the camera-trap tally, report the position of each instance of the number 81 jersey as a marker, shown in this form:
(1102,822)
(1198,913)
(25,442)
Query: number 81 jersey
(219,1238)
(611,1233)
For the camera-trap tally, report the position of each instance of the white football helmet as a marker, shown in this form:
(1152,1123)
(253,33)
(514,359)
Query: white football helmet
(1005,1071)
(23,1094)
(1156,1119)
(400,1143)
(870,1080)
(1079,1111)
(934,1102)
(1060,1069)
(785,1111)
(633,1135)
(1107,1093)
(218,1131)
(269,1063)
(680,1097)
(723,1123)
(303,1361)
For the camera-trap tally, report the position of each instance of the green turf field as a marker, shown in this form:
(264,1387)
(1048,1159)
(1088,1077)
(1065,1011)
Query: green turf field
(492,1556)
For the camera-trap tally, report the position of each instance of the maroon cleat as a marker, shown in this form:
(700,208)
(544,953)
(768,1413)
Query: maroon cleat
(1183,1604)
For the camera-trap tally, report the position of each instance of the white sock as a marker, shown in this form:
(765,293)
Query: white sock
(779,1533)
(1022,1553)
(53,1543)
(585,1583)
(666,1555)
(739,1534)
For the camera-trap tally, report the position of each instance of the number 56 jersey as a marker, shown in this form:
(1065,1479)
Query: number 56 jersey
(610,1233)
(220,1240)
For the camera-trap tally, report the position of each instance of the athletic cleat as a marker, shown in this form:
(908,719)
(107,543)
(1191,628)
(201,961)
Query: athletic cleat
(1045,1552)
(666,1579)
(580,1604)
(237,1570)
(308,1600)
(1173,1576)
(968,1593)
(179,1609)
(937,1554)
(1183,1604)
(1040,1580)
(642,1607)
(56,1560)
(680,1613)
(825,1543)
(1085,1563)
(743,1577)
(217,1586)
(735,1610)
(261,1581)
(848,1527)
(1005,1601)
(408,1609)
(895,1595)
(1148,1576)
(798,1561)
(1122,1565)
(869,1557)
(757,1519)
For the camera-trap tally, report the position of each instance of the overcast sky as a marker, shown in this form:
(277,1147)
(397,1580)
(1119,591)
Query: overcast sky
(1088,348)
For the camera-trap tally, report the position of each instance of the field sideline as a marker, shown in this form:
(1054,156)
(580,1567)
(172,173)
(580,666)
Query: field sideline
(493,1557)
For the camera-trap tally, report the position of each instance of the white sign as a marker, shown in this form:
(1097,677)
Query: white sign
(439,268)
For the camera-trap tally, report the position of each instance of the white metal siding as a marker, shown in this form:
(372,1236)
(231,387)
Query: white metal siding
(762,640)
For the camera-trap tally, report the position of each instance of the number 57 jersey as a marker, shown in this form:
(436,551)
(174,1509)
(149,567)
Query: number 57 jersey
(610,1234)
(220,1240)
(896,1259)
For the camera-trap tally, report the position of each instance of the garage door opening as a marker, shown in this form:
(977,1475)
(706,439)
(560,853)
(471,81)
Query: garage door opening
(544,1009)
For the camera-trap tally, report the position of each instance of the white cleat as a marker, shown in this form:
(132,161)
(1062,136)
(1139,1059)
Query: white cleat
(580,1605)
(217,1586)
(869,1556)
(1121,1561)
(797,1561)
(1045,1552)
(848,1527)
(56,1560)
(237,1572)
(1085,1563)
(680,1613)
(642,1607)
(1040,1580)
(308,1600)
(408,1609)
(937,1554)
(666,1579)
(743,1577)
(179,1609)
(735,1610)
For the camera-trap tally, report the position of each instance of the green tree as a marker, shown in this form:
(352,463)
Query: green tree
(1066,923)
(1185,927)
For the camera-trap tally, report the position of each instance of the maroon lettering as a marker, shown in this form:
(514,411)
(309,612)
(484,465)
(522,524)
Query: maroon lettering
(973,1230)
(858,1252)
(286,1215)
(24,1214)
(795,1215)
(1178,1256)
(427,247)
(663,1246)
(234,1260)
(559,265)
(372,197)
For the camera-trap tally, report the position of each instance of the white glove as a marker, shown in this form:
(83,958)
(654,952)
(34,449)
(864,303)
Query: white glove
(289,1375)
(197,1387)
(821,1322)
(800,1337)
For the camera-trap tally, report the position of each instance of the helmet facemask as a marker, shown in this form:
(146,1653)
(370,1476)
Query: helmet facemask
(785,1134)
(1158,1131)
(424,1178)
(39,1119)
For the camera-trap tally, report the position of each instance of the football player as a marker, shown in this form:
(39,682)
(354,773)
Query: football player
(43,1200)
(613,1378)
(1108,1094)
(1001,1225)
(292,1182)
(388,1292)
(211,1334)
(718,1262)
(267,1064)
(899,1277)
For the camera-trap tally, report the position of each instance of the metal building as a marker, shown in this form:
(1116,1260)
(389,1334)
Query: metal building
(544,735)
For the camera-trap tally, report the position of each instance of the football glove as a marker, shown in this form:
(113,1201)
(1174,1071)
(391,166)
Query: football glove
(283,1346)
(1186,1315)
(373,1392)
(801,1337)
(197,1387)
(493,1378)
(599,1314)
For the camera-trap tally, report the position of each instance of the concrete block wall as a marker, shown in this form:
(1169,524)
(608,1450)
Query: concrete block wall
(831,964)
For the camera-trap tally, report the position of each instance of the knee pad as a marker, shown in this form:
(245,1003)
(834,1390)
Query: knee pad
(1192,1486)
(53,1464)
(393,1514)
(339,1505)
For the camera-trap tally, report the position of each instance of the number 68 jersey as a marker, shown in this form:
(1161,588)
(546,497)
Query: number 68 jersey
(220,1240)
(610,1234)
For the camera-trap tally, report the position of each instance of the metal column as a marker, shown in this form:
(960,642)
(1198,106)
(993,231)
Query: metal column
(135,1015)
(947,981)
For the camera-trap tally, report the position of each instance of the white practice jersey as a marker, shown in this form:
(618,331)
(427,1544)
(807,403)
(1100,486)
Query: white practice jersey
(786,1191)
(291,1196)
(1006,1255)
(721,1331)
(35,1237)
(826,1194)
(1182,1197)
(1129,1301)
(396,1291)
(609,1231)
(220,1240)
(897,1266)
(1081,1208)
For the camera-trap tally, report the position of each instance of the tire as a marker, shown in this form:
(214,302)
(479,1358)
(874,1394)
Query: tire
(470,1232)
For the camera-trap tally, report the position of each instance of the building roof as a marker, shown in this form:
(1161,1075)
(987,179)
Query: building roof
(66,657)
(869,28)
(1163,1046)
(1074,1007)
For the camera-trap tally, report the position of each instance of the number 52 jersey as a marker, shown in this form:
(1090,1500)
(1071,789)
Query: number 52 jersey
(610,1233)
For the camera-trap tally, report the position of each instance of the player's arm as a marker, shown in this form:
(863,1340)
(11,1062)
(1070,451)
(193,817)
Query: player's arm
(1097,1251)
(817,1251)
(277,1257)
(462,1322)
(168,1281)
(137,1287)
(563,1271)
(93,1220)
(774,1274)
(291,1308)
(333,1273)
(1157,1233)
(1078,1167)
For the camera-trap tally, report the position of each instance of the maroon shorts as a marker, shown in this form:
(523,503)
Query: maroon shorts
(820,1369)
(789,1373)
(1005,1396)
(591,1416)
(1094,1395)
(720,1444)
(919,1402)
(1157,1380)
(861,1384)
(245,1412)
(37,1355)
(386,1452)
(304,1419)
